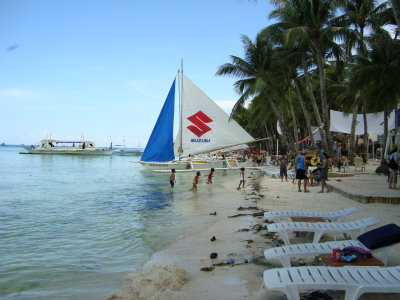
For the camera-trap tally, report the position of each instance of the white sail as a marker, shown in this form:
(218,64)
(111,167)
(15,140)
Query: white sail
(206,127)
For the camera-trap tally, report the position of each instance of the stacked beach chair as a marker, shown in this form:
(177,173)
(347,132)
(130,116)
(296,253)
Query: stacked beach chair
(355,281)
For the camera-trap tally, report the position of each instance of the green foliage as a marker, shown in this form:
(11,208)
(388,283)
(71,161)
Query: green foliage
(351,63)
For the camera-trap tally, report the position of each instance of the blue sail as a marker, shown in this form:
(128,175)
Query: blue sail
(160,147)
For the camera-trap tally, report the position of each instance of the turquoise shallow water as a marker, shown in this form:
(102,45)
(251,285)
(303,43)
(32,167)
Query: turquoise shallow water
(71,227)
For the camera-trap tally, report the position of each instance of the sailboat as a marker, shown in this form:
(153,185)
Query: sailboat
(204,128)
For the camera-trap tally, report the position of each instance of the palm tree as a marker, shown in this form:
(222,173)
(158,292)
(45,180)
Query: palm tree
(260,116)
(396,10)
(387,17)
(276,32)
(360,14)
(256,76)
(290,63)
(377,72)
(311,21)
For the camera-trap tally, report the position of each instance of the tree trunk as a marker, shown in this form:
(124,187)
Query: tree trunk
(353,133)
(283,136)
(325,108)
(267,145)
(303,107)
(366,137)
(296,136)
(385,131)
(396,10)
(270,140)
(314,103)
(274,139)
(285,129)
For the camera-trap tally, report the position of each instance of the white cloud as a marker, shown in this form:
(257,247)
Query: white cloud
(145,87)
(18,94)
(23,94)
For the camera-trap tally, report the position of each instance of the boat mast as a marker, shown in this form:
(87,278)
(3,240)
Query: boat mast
(179,91)
(180,113)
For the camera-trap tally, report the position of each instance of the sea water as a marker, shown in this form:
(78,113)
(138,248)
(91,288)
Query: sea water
(72,227)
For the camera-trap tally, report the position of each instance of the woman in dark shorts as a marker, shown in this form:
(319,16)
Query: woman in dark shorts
(324,172)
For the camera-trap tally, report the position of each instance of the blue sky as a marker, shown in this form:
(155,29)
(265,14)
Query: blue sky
(104,68)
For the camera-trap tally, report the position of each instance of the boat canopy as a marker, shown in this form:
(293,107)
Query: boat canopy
(66,142)
(160,147)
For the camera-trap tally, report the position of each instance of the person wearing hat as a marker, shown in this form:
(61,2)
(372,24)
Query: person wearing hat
(393,171)
(301,172)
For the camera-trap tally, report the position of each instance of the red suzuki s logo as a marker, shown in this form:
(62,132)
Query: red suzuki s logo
(199,119)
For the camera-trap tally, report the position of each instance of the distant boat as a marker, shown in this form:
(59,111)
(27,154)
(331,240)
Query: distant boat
(129,151)
(61,147)
(3,144)
(204,128)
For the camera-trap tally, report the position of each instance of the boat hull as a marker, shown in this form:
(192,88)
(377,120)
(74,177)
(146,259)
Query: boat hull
(123,153)
(183,165)
(69,152)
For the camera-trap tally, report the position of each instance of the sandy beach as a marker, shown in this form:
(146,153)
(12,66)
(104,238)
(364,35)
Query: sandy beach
(175,272)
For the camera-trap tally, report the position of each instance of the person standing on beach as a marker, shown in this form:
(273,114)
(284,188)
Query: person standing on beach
(210,176)
(254,159)
(320,153)
(241,178)
(341,161)
(324,173)
(224,165)
(273,159)
(301,170)
(195,181)
(393,172)
(172,180)
(283,163)
(188,165)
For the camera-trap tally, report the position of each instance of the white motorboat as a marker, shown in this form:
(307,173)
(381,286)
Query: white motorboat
(127,150)
(123,152)
(51,146)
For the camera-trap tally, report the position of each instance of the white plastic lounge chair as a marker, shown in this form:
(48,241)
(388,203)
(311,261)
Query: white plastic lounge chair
(330,216)
(272,171)
(291,173)
(276,173)
(354,280)
(345,166)
(283,254)
(358,163)
(321,228)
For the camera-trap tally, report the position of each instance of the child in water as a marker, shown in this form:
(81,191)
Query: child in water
(241,178)
(210,176)
(195,181)
(172,180)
